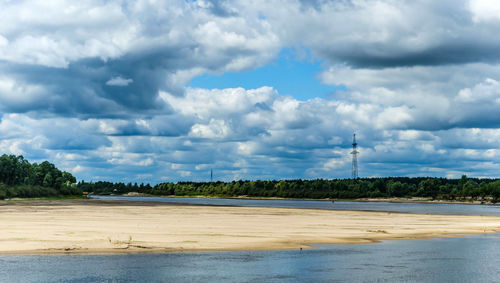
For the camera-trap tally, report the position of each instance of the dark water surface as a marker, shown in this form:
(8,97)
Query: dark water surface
(469,259)
(420,208)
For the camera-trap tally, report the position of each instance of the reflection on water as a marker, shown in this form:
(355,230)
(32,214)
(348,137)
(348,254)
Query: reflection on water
(421,208)
(469,259)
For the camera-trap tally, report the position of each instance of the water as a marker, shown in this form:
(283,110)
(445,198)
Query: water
(469,259)
(420,208)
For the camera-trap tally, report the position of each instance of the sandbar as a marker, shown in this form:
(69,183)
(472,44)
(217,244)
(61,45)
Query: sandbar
(94,226)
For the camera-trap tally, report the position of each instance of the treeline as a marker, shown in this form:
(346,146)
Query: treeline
(107,188)
(19,178)
(435,188)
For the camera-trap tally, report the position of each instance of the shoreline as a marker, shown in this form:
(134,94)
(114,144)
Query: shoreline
(133,249)
(391,199)
(84,226)
(304,246)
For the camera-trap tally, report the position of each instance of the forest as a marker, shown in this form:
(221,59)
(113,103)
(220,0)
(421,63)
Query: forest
(19,178)
(464,188)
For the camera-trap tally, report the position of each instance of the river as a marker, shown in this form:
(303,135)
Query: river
(469,259)
(421,208)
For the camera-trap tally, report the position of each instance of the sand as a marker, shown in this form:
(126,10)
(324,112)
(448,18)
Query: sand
(93,226)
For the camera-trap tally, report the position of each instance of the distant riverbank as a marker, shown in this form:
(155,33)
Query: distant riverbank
(485,190)
(429,200)
(94,226)
(390,199)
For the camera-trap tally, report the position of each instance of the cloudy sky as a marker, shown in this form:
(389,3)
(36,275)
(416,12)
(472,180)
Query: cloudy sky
(152,91)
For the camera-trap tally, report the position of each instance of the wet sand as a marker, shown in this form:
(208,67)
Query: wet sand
(93,226)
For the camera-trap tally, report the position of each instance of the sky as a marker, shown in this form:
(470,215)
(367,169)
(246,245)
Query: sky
(155,91)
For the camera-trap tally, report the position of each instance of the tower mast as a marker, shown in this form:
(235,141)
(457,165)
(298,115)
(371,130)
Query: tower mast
(354,153)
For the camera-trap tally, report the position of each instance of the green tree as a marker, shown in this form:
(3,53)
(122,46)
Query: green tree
(494,189)
(428,188)
(48,180)
(397,189)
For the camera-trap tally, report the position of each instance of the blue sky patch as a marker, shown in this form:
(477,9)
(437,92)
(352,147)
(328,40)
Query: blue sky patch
(288,74)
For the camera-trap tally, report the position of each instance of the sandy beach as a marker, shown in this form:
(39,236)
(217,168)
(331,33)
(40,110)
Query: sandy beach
(92,226)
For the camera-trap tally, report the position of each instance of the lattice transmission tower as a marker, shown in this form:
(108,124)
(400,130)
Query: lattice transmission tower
(354,153)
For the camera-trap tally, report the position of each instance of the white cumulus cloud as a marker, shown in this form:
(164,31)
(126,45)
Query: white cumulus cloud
(119,81)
